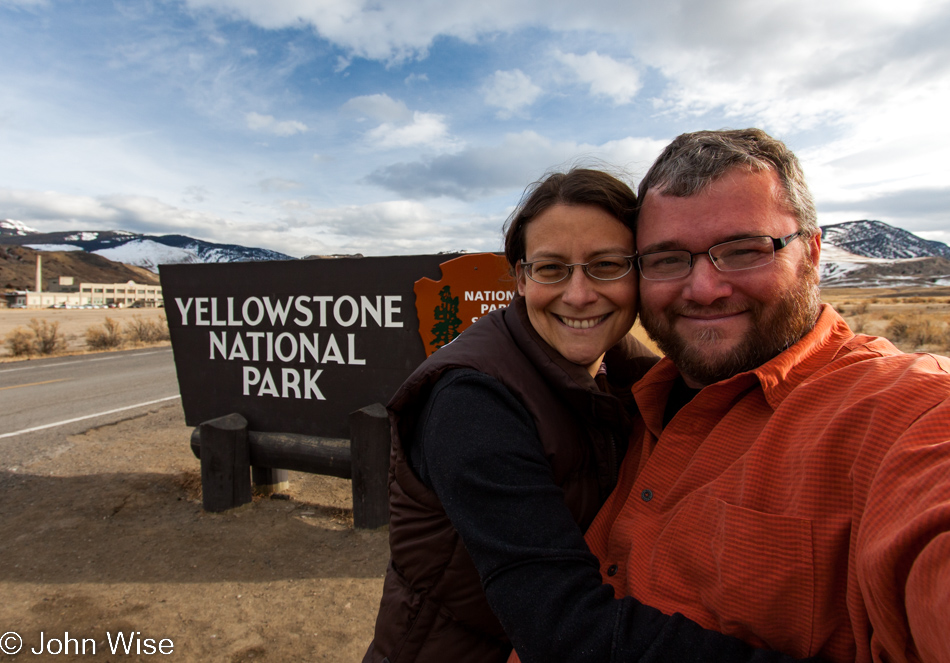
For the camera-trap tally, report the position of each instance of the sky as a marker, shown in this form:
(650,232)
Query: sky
(315,127)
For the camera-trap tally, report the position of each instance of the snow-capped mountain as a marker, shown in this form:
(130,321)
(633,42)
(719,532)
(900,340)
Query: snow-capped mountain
(875,239)
(867,254)
(146,251)
(9,227)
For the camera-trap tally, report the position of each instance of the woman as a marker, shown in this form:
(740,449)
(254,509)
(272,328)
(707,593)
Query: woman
(505,444)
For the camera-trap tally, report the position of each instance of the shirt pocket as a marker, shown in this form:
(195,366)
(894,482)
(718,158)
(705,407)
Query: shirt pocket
(752,572)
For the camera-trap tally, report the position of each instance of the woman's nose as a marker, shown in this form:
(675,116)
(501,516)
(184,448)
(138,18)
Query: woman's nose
(579,289)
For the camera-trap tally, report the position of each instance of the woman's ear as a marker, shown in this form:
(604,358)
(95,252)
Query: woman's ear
(519,275)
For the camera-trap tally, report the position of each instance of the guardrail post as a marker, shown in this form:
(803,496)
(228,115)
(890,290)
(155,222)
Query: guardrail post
(369,447)
(225,463)
(268,481)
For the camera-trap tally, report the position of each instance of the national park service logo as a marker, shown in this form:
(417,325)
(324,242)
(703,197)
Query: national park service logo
(471,286)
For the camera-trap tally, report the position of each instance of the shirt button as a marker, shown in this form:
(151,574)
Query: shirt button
(646,495)
(612,570)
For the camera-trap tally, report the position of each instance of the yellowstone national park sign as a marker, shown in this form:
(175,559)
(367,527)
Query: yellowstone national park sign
(295,346)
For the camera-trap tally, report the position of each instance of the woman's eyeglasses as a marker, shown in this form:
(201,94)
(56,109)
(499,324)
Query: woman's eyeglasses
(605,268)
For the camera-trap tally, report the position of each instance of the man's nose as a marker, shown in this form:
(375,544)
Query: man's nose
(705,283)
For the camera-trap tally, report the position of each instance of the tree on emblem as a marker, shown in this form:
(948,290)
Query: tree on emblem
(447,321)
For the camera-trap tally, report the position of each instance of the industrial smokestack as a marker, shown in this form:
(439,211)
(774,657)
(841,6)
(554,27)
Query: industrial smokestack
(39,273)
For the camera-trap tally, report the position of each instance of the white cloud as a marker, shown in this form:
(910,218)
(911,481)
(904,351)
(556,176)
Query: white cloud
(785,65)
(399,127)
(426,129)
(618,81)
(396,227)
(393,31)
(53,211)
(379,107)
(268,124)
(413,79)
(479,172)
(276,184)
(512,91)
(49,210)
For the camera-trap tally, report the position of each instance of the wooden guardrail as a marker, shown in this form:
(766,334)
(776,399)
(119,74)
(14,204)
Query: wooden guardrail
(232,456)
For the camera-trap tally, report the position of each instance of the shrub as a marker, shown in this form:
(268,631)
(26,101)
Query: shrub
(106,336)
(42,338)
(859,323)
(916,330)
(20,342)
(140,330)
(46,337)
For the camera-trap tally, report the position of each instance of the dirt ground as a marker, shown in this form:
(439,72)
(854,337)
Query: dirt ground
(106,534)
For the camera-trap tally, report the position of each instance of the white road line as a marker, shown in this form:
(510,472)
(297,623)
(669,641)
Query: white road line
(79,361)
(88,416)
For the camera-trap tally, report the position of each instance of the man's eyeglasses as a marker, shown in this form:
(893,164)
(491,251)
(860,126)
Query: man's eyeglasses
(606,268)
(733,256)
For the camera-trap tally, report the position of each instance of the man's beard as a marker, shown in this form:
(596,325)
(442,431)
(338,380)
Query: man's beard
(775,327)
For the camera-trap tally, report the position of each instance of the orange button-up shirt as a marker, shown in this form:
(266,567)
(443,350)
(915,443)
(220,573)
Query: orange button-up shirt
(802,506)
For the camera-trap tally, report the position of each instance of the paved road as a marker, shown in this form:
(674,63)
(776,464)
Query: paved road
(44,400)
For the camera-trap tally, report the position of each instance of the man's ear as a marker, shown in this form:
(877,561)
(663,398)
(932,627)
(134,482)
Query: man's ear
(519,275)
(814,248)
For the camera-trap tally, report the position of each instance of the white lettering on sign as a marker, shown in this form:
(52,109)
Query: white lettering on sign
(289,381)
(282,362)
(344,311)
(489,295)
(501,298)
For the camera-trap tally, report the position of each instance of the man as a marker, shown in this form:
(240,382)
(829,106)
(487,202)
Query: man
(789,481)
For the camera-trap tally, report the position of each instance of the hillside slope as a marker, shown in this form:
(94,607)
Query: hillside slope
(18,268)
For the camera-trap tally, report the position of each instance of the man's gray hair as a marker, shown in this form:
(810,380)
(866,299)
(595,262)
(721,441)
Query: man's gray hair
(695,160)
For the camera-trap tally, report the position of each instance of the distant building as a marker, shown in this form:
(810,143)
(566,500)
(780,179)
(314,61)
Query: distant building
(66,292)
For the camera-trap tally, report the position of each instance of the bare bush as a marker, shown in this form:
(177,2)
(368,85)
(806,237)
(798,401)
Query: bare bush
(861,308)
(46,337)
(141,330)
(916,330)
(106,336)
(20,342)
(859,323)
(41,338)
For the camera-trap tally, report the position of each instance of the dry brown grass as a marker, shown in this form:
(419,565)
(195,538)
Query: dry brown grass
(105,336)
(40,337)
(17,338)
(913,319)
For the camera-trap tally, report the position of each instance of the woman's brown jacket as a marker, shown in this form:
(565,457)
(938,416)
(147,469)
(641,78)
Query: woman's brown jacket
(433,607)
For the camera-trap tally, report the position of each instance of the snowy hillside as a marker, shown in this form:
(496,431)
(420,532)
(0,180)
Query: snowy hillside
(867,254)
(148,251)
(148,254)
(11,228)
